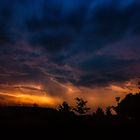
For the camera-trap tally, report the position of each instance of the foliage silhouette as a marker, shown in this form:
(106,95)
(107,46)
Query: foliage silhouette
(64,108)
(63,118)
(117,99)
(108,111)
(35,105)
(129,106)
(81,107)
(99,112)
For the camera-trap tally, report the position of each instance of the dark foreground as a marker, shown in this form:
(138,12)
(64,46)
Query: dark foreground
(51,123)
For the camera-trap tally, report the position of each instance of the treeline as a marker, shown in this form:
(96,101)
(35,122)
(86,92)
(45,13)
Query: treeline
(76,120)
(75,117)
(129,107)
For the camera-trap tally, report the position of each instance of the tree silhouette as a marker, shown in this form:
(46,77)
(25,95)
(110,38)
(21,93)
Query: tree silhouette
(35,105)
(99,112)
(81,107)
(129,106)
(108,111)
(64,108)
(117,99)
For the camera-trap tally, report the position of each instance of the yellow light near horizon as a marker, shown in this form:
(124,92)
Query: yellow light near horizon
(41,100)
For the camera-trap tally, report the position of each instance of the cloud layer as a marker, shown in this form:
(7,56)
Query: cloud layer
(87,43)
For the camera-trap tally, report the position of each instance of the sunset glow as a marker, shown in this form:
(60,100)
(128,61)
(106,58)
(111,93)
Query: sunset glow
(56,50)
(35,94)
(30,100)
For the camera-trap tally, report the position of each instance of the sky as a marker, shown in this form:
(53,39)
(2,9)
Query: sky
(56,50)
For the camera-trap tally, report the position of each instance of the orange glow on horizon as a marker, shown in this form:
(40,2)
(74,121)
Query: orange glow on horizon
(30,94)
(27,99)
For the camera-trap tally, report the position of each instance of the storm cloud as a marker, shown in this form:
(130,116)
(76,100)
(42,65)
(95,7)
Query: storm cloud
(87,43)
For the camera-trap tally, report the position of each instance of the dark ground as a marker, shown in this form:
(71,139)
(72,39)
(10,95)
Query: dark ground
(46,122)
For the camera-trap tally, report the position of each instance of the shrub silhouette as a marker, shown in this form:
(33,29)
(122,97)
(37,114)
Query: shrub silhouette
(81,107)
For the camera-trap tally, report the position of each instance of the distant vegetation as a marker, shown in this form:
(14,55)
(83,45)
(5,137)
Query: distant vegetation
(75,118)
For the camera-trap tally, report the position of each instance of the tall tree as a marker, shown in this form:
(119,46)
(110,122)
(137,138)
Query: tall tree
(81,106)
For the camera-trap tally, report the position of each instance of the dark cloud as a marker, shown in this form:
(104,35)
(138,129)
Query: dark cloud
(104,70)
(69,41)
